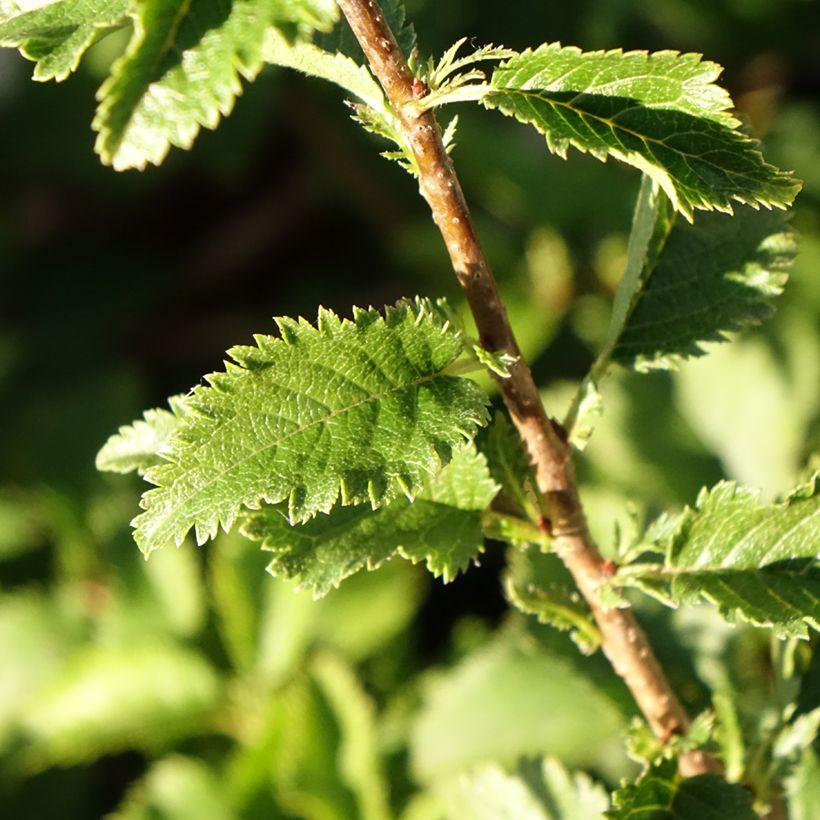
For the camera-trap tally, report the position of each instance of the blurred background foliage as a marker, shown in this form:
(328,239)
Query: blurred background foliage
(195,685)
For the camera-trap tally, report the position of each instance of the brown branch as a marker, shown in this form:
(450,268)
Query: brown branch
(624,642)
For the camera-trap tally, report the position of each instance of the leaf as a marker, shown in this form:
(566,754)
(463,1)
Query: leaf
(360,410)
(137,446)
(175,788)
(514,697)
(182,71)
(714,276)
(110,699)
(660,112)
(662,794)
(535,790)
(509,464)
(756,562)
(539,585)
(441,526)
(56,34)
(323,756)
(803,787)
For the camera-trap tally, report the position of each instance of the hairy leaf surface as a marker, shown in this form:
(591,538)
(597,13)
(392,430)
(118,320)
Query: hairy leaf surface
(535,790)
(661,112)
(183,69)
(714,276)
(57,34)
(758,562)
(441,526)
(662,794)
(360,410)
(136,447)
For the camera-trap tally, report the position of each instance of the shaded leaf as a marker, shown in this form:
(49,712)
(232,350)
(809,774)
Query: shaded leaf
(358,410)
(342,39)
(441,526)
(660,112)
(662,794)
(714,276)
(535,790)
(55,35)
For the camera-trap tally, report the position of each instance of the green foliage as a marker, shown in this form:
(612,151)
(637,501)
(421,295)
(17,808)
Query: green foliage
(341,445)
(662,793)
(756,562)
(56,34)
(660,112)
(357,411)
(536,790)
(182,72)
(441,526)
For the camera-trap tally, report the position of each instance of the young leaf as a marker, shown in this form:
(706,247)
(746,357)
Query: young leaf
(182,72)
(759,562)
(662,794)
(441,526)
(714,276)
(361,409)
(660,112)
(56,34)
(137,446)
(535,790)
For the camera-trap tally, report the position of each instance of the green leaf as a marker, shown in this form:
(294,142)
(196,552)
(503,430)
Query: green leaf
(535,790)
(441,526)
(660,112)
(509,464)
(754,561)
(137,446)
(322,755)
(358,410)
(538,585)
(662,794)
(803,787)
(182,71)
(175,788)
(714,276)
(110,699)
(55,35)
(514,697)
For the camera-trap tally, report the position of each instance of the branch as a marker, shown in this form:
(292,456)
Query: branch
(624,642)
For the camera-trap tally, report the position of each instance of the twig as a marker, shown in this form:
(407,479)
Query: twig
(624,642)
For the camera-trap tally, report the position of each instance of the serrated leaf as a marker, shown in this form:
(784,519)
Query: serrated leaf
(356,411)
(110,699)
(182,71)
(712,277)
(753,561)
(136,447)
(535,790)
(662,794)
(56,34)
(441,526)
(660,112)
(509,463)
(539,585)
